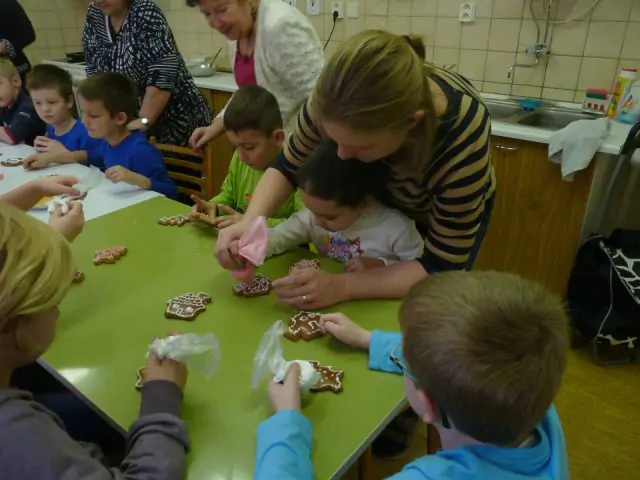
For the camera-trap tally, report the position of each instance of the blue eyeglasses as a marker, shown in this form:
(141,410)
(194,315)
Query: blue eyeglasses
(397,358)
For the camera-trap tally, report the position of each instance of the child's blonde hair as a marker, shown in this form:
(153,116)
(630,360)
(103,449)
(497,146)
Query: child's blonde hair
(7,69)
(36,265)
(489,348)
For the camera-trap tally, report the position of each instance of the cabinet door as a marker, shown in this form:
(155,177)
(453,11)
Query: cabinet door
(537,217)
(222,151)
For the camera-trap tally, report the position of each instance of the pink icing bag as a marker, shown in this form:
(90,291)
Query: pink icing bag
(252,246)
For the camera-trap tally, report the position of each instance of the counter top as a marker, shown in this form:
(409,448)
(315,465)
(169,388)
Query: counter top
(225,82)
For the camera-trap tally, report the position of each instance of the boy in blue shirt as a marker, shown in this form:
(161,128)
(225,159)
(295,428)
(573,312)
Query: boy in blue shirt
(108,102)
(19,122)
(67,140)
(482,354)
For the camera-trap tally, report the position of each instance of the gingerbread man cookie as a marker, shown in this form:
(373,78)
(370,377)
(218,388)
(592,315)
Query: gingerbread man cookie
(78,277)
(11,162)
(187,306)
(330,378)
(109,255)
(304,325)
(261,286)
(200,217)
(303,265)
(175,221)
(141,373)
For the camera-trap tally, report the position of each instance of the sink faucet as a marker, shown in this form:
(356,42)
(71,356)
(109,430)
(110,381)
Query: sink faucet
(540,48)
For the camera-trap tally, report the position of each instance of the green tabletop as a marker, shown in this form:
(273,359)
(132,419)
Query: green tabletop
(108,321)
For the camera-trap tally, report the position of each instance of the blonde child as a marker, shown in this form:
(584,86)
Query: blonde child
(482,354)
(19,122)
(67,139)
(253,124)
(35,273)
(342,219)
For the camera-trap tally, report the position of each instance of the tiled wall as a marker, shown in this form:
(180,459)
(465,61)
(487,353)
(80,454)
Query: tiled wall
(585,54)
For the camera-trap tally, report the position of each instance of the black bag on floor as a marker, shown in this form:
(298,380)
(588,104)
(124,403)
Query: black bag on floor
(604,289)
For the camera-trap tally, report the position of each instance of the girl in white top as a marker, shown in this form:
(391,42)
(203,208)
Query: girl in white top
(271,44)
(342,218)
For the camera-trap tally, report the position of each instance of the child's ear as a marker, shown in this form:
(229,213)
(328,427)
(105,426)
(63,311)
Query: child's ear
(430,411)
(121,118)
(8,334)
(279,137)
(17,81)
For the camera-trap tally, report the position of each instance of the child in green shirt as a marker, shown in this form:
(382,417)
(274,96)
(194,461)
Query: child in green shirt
(253,124)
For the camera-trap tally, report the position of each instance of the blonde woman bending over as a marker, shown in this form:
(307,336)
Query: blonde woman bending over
(36,270)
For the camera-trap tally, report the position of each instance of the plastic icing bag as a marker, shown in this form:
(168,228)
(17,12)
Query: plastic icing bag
(200,353)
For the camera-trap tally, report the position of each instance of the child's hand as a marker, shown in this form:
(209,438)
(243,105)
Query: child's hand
(119,174)
(69,224)
(346,330)
(230,217)
(166,369)
(34,162)
(200,206)
(286,395)
(48,145)
(357,264)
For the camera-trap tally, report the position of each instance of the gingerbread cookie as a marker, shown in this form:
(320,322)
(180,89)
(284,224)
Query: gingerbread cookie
(187,306)
(200,217)
(330,378)
(261,285)
(304,264)
(304,325)
(175,221)
(78,277)
(109,255)
(141,373)
(11,162)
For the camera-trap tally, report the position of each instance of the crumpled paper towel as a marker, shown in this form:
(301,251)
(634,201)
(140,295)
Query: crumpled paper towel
(200,353)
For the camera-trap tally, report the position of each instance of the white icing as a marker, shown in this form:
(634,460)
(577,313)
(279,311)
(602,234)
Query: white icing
(62,201)
(309,376)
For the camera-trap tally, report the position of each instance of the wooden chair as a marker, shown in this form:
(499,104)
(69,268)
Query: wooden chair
(191,170)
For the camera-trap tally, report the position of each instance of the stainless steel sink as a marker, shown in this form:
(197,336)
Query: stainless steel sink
(553,119)
(547,117)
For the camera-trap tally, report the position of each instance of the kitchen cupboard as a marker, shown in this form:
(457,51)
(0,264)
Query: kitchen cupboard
(537,217)
(221,148)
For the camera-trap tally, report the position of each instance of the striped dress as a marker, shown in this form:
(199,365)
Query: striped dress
(144,49)
(446,198)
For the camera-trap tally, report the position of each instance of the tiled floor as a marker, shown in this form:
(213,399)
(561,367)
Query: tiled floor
(600,412)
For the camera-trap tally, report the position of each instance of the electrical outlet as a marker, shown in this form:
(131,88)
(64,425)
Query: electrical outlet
(352,9)
(293,3)
(467,12)
(337,6)
(313,7)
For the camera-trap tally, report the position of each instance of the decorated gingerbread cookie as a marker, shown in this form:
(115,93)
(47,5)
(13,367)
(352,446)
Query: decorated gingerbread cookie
(187,306)
(109,255)
(141,374)
(175,221)
(11,162)
(78,277)
(304,325)
(304,264)
(261,286)
(202,218)
(330,378)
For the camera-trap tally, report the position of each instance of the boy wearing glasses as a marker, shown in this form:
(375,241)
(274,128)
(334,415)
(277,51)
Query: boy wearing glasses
(482,354)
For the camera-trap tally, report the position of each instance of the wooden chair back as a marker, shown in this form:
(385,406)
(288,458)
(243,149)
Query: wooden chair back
(192,170)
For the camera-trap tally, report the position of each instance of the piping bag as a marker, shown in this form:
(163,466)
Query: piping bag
(199,352)
(269,361)
(252,246)
(86,183)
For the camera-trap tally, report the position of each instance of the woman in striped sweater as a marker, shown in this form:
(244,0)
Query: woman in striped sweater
(427,127)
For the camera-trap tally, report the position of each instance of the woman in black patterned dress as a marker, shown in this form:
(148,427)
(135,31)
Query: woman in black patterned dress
(133,37)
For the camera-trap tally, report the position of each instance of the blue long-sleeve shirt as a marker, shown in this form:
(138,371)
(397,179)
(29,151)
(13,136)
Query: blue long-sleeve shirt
(284,445)
(77,139)
(136,153)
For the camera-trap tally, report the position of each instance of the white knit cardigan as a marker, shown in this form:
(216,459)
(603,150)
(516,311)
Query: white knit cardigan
(287,56)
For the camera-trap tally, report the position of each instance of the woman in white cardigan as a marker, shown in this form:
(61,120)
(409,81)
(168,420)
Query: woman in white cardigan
(271,44)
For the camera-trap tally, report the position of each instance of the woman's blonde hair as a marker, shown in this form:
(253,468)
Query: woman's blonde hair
(377,80)
(36,265)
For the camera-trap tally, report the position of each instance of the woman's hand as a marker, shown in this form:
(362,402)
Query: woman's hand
(68,224)
(226,249)
(286,395)
(339,326)
(310,289)
(201,136)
